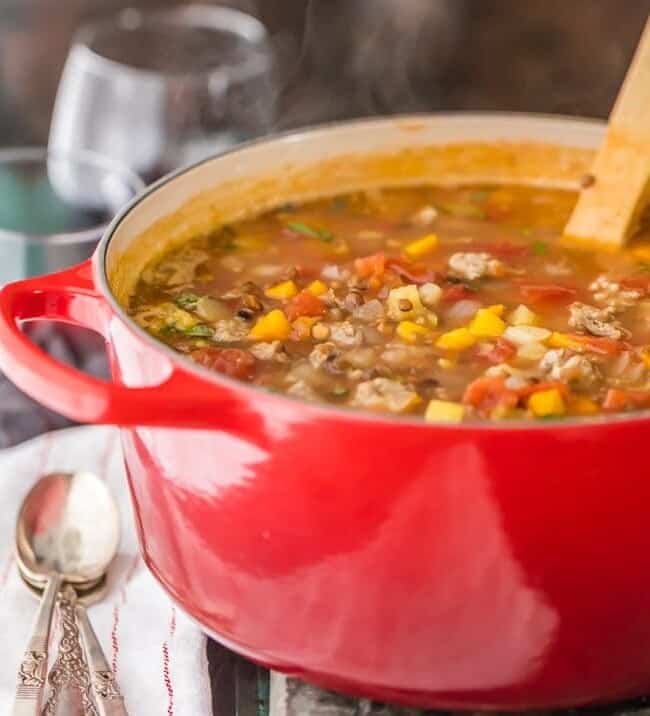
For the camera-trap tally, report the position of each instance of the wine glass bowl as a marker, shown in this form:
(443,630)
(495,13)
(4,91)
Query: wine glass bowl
(156,90)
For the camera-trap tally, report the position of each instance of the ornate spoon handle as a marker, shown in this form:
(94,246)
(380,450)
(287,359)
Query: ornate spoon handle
(105,689)
(33,668)
(69,678)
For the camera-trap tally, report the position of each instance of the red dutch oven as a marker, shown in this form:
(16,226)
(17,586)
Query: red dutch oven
(498,566)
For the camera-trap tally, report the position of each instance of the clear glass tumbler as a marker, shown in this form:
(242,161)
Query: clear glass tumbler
(157,90)
(54,207)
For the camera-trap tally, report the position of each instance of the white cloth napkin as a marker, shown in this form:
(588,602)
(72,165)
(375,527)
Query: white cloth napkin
(158,654)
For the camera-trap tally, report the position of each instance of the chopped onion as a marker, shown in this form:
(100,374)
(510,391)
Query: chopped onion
(371,336)
(371,311)
(515,382)
(332,272)
(526,334)
(462,311)
(360,357)
(211,310)
(532,351)
(232,263)
(268,270)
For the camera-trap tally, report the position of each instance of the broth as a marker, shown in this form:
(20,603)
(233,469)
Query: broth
(453,303)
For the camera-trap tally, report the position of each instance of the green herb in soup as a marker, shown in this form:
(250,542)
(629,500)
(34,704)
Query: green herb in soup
(455,304)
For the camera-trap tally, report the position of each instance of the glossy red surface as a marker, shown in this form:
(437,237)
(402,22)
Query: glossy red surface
(463,567)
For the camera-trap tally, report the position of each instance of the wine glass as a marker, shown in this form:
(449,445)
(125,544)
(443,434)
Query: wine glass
(159,89)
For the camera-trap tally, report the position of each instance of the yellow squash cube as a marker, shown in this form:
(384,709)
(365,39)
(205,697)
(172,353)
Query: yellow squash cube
(318,288)
(409,331)
(486,324)
(444,411)
(457,340)
(547,402)
(561,340)
(421,247)
(274,326)
(284,290)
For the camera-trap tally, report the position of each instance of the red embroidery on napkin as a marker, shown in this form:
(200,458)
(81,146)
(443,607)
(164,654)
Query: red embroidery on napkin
(115,645)
(165,657)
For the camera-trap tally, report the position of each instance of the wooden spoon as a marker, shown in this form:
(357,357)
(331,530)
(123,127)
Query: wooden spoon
(612,201)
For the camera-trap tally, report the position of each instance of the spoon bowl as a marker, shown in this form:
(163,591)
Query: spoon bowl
(68,525)
(67,533)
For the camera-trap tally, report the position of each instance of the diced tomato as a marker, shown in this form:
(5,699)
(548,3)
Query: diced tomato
(604,346)
(617,400)
(536,293)
(232,362)
(489,393)
(305,304)
(637,283)
(411,272)
(372,266)
(502,352)
(458,292)
(533,388)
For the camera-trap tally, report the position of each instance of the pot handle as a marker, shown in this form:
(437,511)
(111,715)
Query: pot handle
(70,297)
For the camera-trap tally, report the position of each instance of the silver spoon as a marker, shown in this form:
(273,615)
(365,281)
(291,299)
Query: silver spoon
(67,698)
(70,670)
(68,532)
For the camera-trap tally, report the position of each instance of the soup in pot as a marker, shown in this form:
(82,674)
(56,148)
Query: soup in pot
(453,304)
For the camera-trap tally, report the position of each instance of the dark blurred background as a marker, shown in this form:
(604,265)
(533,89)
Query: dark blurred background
(344,58)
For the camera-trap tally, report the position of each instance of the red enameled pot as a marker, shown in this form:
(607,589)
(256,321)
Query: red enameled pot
(499,566)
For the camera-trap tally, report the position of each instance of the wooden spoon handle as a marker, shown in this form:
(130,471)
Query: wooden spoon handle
(33,668)
(609,209)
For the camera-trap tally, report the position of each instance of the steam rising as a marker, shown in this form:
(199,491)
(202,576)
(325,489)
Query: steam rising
(367,57)
(348,58)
